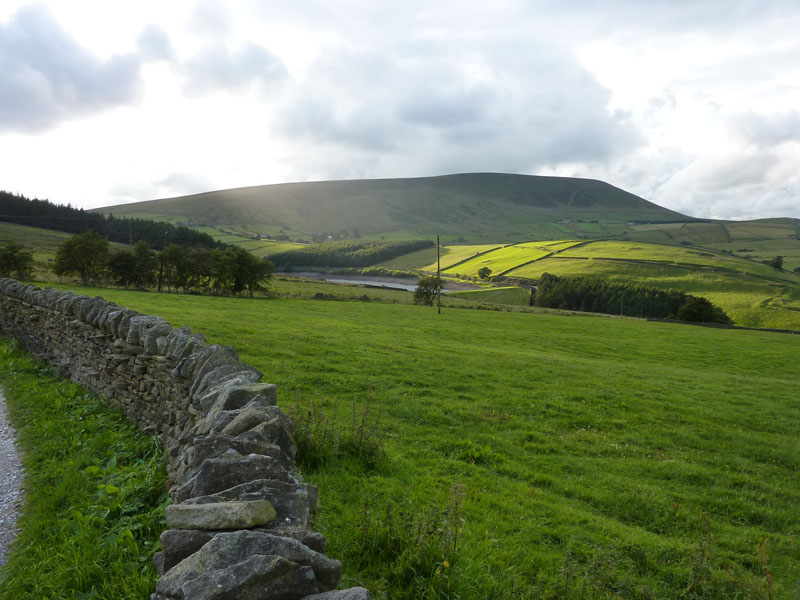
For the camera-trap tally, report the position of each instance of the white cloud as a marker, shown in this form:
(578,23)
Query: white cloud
(769,129)
(689,104)
(46,76)
(429,111)
(217,68)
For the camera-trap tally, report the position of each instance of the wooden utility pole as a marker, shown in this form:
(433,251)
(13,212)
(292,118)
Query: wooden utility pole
(438,277)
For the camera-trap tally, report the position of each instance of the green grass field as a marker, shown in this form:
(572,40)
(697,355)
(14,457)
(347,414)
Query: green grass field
(503,259)
(245,238)
(425,259)
(42,242)
(94,491)
(498,295)
(499,260)
(761,240)
(531,455)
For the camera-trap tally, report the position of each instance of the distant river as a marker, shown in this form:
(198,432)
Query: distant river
(409,287)
(393,283)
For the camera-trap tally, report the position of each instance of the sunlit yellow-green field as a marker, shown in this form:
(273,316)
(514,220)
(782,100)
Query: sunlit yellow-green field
(752,293)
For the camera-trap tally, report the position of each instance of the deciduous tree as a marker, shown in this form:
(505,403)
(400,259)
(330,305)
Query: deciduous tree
(85,255)
(16,261)
(427,290)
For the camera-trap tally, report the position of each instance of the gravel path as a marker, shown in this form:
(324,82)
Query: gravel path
(10,482)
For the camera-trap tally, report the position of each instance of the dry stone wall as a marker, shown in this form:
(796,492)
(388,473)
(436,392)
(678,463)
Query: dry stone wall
(238,527)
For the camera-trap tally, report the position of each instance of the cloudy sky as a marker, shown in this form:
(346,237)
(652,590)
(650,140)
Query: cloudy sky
(693,104)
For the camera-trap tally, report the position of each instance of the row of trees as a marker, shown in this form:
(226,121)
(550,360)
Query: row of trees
(228,270)
(43,213)
(593,294)
(16,261)
(347,253)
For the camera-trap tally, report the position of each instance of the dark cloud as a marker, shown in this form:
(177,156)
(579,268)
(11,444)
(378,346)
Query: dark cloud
(217,68)
(769,130)
(47,77)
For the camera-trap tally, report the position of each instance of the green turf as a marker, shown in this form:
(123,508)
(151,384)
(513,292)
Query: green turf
(95,491)
(425,259)
(505,258)
(543,456)
(499,295)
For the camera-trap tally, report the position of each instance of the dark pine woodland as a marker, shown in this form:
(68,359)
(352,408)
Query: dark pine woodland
(594,294)
(45,214)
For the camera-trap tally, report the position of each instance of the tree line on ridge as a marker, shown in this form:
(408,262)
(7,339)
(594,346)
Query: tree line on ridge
(18,209)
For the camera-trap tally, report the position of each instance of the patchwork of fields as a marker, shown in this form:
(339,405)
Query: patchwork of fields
(534,455)
(761,240)
(752,293)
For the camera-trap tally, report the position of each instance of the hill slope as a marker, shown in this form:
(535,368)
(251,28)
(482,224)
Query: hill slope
(473,206)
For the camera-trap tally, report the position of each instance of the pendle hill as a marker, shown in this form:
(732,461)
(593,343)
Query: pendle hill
(474,207)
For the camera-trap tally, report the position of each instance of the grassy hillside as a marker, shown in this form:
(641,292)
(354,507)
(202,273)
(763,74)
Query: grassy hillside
(528,455)
(479,206)
(761,240)
(474,208)
(752,293)
(500,295)
(42,242)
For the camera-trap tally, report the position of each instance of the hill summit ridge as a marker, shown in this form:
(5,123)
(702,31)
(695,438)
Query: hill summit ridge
(478,206)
